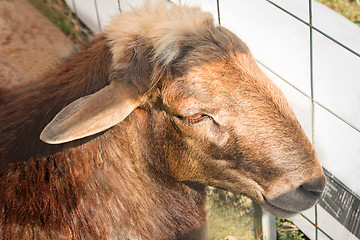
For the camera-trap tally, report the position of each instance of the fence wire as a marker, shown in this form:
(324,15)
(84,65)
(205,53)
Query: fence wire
(312,28)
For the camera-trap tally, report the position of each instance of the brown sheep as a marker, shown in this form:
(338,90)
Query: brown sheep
(30,45)
(138,123)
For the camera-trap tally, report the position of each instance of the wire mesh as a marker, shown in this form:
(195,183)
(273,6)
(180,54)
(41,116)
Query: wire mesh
(312,28)
(97,15)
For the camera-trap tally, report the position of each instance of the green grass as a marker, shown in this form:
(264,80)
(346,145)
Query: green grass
(348,8)
(229,216)
(61,15)
(286,230)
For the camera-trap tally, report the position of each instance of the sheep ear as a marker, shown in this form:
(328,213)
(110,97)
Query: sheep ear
(92,114)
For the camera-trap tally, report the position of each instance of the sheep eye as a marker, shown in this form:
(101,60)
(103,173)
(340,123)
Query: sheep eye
(195,118)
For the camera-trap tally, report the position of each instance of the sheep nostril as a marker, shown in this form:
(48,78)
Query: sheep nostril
(315,186)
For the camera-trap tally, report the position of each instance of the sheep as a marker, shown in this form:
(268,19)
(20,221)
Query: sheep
(27,36)
(121,141)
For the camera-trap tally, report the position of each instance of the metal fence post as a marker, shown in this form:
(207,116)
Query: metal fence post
(264,224)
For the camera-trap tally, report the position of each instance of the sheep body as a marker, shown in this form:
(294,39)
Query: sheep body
(35,201)
(27,37)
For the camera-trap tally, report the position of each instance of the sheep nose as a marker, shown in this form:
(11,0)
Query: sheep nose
(315,186)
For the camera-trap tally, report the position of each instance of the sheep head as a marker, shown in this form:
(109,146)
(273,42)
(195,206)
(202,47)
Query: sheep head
(225,123)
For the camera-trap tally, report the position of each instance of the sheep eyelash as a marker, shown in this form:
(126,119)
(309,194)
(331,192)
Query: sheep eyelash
(194,118)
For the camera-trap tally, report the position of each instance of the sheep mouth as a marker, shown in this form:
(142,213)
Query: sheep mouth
(276,210)
(291,203)
(273,209)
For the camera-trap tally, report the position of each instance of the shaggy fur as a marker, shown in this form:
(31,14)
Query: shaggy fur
(209,117)
(30,45)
